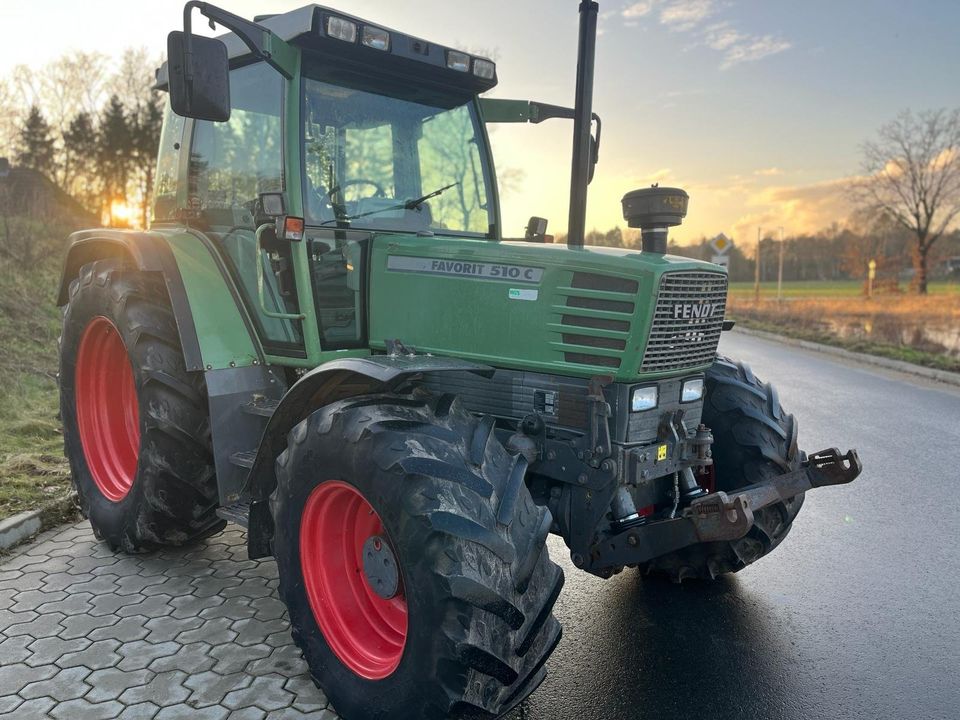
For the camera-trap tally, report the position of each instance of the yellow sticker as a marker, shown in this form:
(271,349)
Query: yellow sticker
(661,453)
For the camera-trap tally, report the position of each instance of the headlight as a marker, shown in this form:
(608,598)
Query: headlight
(341,29)
(484,69)
(458,61)
(692,390)
(375,37)
(643,398)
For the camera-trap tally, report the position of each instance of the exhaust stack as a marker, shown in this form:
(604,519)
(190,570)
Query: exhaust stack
(580,173)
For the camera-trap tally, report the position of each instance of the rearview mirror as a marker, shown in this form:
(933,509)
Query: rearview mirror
(200,82)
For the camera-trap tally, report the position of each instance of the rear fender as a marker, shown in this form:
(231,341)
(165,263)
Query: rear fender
(332,381)
(202,293)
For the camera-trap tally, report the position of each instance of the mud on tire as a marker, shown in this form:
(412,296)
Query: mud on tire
(173,496)
(754,439)
(478,582)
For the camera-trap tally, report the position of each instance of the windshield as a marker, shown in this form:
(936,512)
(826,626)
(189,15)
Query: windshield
(370,160)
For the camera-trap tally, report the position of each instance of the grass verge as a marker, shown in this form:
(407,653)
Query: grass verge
(33,471)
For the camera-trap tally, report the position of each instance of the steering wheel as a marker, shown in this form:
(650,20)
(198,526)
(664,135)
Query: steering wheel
(380,193)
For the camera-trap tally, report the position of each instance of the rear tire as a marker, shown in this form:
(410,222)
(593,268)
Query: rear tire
(135,423)
(754,439)
(477,583)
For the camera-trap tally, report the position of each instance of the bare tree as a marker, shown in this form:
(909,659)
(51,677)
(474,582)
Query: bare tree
(913,174)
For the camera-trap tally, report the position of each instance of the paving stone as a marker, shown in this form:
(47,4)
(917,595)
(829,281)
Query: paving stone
(193,658)
(182,711)
(189,606)
(66,685)
(192,633)
(111,683)
(210,688)
(234,658)
(14,649)
(101,654)
(151,606)
(215,632)
(166,687)
(307,696)
(36,599)
(16,676)
(233,608)
(265,692)
(167,628)
(8,704)
(83,708)
(269,608)
(43,626)
(139,654)
(126,630)
(46,651)
(292,713)
(38,709)
(96,584)
(254,632)
(75,603)
(141,711)
(107,604)
(82,625)
(285,660)
(134,584)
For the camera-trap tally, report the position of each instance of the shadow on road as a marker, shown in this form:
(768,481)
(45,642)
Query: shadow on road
(643,648)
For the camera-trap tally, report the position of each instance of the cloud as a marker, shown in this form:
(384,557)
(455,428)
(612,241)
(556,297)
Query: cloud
(692,16)
(753,49)
(798,208)
(638,9)
(768,172)
(685,15)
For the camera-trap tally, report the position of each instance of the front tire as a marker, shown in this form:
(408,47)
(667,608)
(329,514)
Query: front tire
(754,440)
(470,627)
(135,423)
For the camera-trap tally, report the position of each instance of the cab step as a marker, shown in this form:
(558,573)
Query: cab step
(244,458)
(260,406)
(238,513)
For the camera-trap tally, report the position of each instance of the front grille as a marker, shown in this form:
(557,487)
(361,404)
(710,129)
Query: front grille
(596,319)
(687,321)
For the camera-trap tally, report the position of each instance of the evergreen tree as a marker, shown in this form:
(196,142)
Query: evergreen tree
(81,146)
(147,121)
(115,152)
(36,147)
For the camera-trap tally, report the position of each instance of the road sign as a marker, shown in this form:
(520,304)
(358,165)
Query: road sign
(872,269)
(721,260)
(721,244)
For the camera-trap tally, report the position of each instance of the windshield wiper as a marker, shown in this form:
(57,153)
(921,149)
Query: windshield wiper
(408,205)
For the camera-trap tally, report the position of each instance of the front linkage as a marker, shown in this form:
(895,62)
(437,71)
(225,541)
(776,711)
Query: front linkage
(602,485)
(717,516)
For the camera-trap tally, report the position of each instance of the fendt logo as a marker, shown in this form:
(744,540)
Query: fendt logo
(693,310)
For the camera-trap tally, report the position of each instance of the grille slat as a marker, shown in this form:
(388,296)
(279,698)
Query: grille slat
(677,343)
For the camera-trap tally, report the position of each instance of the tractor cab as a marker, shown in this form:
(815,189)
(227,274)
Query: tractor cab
(355,130)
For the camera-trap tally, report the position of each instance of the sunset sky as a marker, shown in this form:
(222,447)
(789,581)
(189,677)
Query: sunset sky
(756,108)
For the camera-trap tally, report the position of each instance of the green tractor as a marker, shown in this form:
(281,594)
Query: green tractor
(325,337)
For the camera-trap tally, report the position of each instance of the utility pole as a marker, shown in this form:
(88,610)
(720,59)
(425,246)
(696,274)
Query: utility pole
(780,269)
(756,271)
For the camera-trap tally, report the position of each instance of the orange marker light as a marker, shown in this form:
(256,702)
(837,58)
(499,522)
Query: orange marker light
(293,228)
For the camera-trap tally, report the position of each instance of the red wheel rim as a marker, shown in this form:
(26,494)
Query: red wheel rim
(365,631)
(108,416)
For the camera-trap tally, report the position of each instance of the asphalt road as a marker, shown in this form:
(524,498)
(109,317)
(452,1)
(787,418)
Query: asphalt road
(855,615)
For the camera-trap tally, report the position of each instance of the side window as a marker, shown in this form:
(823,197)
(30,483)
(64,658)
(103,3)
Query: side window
(449,152)
(168,162)
(231,164)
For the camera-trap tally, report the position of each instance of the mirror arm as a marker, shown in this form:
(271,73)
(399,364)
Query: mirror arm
(259,39)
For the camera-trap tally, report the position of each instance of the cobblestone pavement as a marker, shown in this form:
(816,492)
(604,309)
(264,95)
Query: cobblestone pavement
(194,633)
